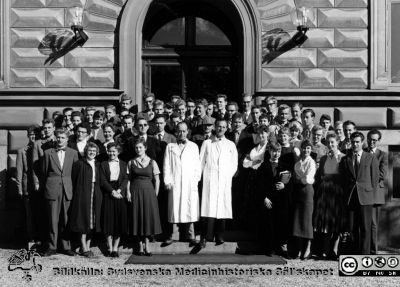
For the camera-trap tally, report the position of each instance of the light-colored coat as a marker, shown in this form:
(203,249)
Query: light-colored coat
(182,170)
(219,160)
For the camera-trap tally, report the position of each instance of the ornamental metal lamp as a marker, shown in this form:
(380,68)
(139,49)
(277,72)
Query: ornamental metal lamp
(302,17)
(77,18)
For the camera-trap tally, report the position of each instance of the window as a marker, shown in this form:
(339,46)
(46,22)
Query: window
(395,43)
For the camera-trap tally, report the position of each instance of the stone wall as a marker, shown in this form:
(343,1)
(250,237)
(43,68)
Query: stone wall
(334,57)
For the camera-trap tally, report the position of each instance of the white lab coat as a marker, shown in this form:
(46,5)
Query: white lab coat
(182,170)
(219,159)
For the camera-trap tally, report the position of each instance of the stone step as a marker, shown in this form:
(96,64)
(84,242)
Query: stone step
(243,247)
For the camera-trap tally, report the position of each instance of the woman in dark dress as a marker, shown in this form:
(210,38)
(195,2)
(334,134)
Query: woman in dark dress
(305,170)
(87,199)
(114,181)
(143,194)
(329,211)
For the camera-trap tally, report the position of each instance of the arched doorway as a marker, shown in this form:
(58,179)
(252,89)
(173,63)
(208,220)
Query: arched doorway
(241,14)
(190,49)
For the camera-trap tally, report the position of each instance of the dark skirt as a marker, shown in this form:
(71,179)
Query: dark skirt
(114,214)
(303,211)
(145,217)
(329,213)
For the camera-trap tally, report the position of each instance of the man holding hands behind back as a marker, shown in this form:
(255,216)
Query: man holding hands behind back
(57,168)
(182,173)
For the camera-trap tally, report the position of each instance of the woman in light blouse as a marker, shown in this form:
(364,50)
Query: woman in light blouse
(252,162)
(114,181)
(329,211)
(305,170)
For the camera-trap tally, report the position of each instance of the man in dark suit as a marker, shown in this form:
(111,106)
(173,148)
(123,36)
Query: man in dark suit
(201,116)
(221,113)
(273,202)
(207,132)
(24,180)
(373,138)
(153,146)
(57,169)
(360,171)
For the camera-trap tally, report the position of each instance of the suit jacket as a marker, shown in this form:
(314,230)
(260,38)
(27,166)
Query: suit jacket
(24,165)
(37,158)
(382,158)
(105,174)
(58,180)
(244,144)
(74,146)
(365,182)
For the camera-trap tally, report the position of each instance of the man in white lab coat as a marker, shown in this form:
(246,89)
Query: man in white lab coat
(182,172)
(219,159)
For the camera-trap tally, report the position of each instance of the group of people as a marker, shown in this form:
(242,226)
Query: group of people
(183,168)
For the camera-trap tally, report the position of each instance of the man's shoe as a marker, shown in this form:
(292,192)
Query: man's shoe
(68,252)
(219,241)
(168,242)
(202,243)
(49,252)
(192,242)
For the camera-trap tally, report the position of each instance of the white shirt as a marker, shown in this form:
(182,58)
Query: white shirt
(114,169)
(61,157)
(81,146)
(91,162)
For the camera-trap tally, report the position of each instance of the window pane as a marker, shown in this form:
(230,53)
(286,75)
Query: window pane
(209,34)
(172,33)
(165,81)
(395,57)
(214,80)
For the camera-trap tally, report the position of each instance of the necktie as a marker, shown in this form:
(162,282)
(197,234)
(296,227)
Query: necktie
(356,163)
(61,149)
(159,137)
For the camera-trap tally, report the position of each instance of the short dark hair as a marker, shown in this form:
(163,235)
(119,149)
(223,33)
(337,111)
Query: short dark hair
(115,145)
(309,111)
(274,145)
(347,123)
(262,129)
(60,131)
(67,110)
(255,107)
(374,132)
(86,126)
(332,135)
(129,116)
(77,114)
(110,107)
(357,134)
(306,143)
(284,130)
(232,103)
(99,114)
(140,141)
(237,116)
(48,121)
(202,102)
(283,107)
(222,96)
(109,125)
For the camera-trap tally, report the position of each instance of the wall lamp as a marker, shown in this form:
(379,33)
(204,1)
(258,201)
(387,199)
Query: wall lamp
(77,16)
(301,17)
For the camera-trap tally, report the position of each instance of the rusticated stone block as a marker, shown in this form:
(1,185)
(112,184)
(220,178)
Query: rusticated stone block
(103,7)
(28,3)
(98,23)
(351,78)
(90,57)
(343,58)
(16,140)
(364,117)
(98,77)
(31,58)
(319,38)
(65,3)
(315,3)
(24,38)
(284,22)
(119,2)
(20,117)
(284,78)
(41,17)
(63,78)
(300,57)
(317,78)
(342,18)
(395,118)
(12,162)
(100,39)
(319,111)
(351,3)
(27,78)
(351,38)
(274,9)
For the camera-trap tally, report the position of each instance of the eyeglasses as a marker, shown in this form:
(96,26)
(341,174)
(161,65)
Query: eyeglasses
(144,125)
(270,104)
(81,132)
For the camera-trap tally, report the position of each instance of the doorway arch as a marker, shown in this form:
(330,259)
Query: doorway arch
(130,40)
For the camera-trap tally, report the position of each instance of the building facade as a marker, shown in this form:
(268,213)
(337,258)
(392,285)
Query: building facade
(348,68)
